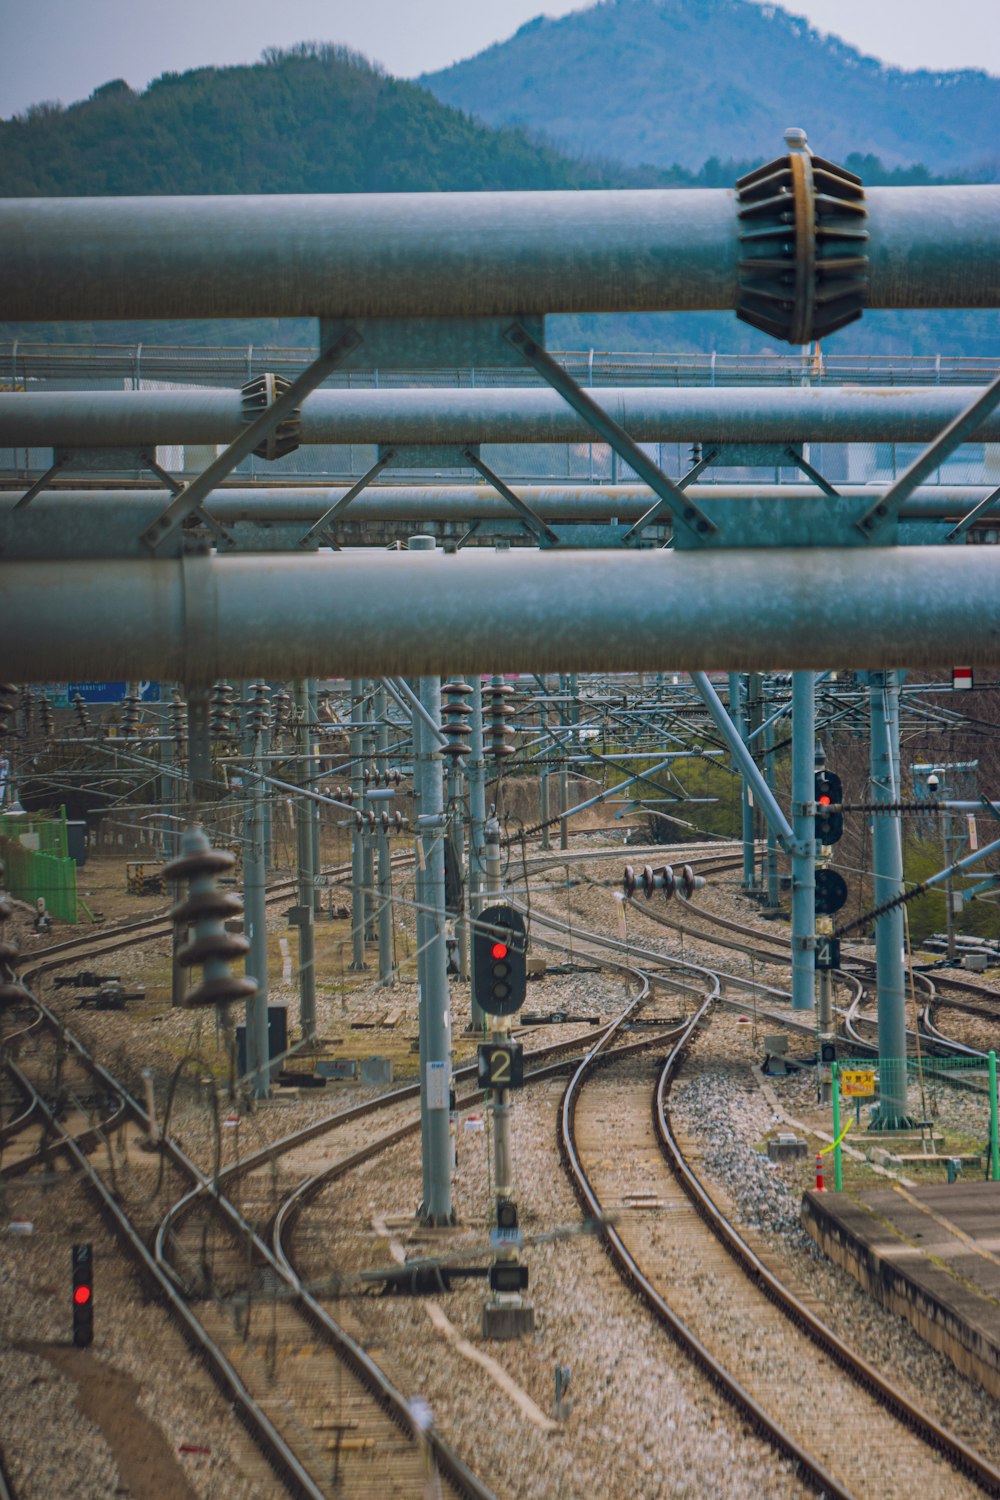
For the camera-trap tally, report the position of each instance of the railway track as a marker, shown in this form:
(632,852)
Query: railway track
(847,1429)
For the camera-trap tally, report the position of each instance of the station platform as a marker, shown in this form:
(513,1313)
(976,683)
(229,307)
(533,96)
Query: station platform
(930,1253)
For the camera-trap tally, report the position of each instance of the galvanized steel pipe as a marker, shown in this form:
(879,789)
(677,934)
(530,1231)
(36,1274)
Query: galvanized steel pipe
(415,255)
(381,613)
(749,414)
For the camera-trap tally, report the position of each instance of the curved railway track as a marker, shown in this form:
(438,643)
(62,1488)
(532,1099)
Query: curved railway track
(759,1344)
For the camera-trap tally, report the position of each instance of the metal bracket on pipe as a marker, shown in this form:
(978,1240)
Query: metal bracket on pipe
(534,523)
(662,506)
(888,507)
(959,531)
(190,497)
(40,484)
(684,514)
(320,530)
(807,469)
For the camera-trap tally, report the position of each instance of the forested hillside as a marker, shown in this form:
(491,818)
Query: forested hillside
(665,81)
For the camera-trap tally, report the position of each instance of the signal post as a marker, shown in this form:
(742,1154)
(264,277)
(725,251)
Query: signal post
(499,967)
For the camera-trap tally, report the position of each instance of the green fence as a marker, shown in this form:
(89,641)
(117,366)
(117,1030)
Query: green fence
(907,1091)
(42,866)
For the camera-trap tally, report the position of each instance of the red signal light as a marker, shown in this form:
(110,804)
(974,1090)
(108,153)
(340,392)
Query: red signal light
(81,1295)
(824,801)
(499,950)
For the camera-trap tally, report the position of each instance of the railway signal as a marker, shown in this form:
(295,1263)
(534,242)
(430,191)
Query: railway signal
(828,796)
(83,1295)
(831,892)
(499,961)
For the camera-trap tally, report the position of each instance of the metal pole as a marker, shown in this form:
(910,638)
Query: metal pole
(199,738)
(435,1059)
(838,1169)
(543,797)
(312,720)
(368,870)
(738,717)
(386,976)
(255,919)
(357,837)
(994,1132)
(804,847)
(563,774)
(887,882)
(771,857)
(476,774)
(306,876)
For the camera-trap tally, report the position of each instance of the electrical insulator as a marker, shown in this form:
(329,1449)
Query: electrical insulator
(179,725)
(27,708)
(130,714)
(206,909)
(281,705)
(80,708)
(259,716)
(398,822)
(455,713)
(500,731)
(221,709)
(48,717)
(366,775)
(697,452)
(665,878)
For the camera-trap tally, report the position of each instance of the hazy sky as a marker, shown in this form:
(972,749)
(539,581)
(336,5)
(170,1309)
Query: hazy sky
(62,49)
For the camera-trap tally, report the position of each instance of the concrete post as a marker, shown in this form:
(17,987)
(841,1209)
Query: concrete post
(887,881)
(804,848)
(306,877)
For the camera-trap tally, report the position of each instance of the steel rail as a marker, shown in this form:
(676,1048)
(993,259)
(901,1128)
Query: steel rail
(496,414)
(453,255)
(280,1455)
(632,1273)
(946,1442)
(201,618)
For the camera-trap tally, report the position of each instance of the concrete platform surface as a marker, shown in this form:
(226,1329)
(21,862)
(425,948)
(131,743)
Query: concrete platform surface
(931,1254)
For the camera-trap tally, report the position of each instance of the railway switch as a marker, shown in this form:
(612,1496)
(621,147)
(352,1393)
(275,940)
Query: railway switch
(83,1295)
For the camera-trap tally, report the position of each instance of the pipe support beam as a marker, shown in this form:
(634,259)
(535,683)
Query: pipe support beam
(454,255)
(201,618)
(649,414)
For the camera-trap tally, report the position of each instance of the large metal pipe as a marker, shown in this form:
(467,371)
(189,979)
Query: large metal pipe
(747,414)
(453,255)
(110,523)
(201,618)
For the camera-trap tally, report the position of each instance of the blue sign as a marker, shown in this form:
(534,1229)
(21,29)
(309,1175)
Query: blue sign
(111,692)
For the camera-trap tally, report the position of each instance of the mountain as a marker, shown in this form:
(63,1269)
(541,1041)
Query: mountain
(317,119)
(665,81)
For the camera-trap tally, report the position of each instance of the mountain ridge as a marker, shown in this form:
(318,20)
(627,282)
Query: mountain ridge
(660,82)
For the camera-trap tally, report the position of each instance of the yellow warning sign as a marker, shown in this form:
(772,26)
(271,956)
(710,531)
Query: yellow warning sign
(857,1083)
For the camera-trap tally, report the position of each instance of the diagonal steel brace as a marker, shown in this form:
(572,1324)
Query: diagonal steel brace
(662,506)
(684,514)
(190,497)
(964,425)
(534,523)
(320,530)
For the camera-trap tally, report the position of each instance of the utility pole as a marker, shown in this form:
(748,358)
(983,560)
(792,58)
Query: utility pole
(887,882)
(476,776)
(358,912)
(306,912)
(804,847)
